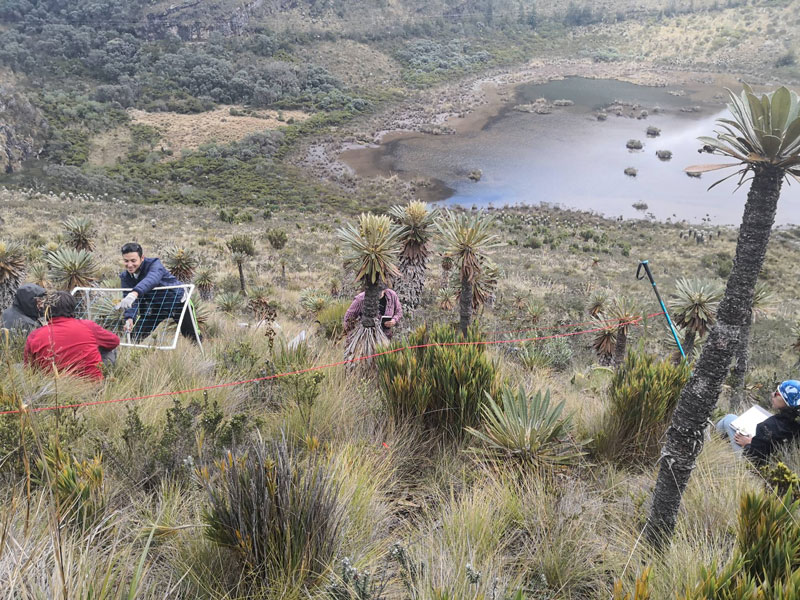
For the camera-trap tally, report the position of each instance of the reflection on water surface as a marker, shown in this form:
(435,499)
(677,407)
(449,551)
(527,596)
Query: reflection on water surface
(572,159)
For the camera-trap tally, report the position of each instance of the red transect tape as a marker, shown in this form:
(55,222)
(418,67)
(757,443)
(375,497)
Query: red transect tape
(314,368)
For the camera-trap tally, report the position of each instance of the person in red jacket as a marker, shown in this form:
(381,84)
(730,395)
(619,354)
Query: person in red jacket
(68,344)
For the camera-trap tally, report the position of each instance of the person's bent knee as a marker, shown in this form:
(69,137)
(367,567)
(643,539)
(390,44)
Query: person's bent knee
(724,422)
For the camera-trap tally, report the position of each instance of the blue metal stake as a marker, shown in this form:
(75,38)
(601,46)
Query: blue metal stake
(639,276)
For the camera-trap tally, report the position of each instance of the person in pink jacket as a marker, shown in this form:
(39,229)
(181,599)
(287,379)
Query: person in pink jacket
(390,311)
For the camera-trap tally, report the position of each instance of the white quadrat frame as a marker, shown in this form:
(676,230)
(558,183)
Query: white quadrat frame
(110,292)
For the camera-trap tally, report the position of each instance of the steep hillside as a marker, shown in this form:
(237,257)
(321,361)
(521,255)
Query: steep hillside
(85,73)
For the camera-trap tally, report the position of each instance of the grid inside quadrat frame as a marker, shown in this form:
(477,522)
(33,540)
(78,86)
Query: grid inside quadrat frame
(159,312)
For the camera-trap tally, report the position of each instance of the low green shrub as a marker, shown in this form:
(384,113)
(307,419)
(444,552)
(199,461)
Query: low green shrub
(189,433)
(642,395)
(280,512)
(441,385)
(781,478)
(277,238)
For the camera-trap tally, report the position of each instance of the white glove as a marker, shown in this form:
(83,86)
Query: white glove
(185,298)
(127,301)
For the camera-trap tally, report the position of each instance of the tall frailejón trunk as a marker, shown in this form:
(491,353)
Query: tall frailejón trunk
(465,303)
(620,346)
(8,289)
(699,397)
(369,312)
(241,277)
(742,359)
(689,337)
(409,286)
(688,343)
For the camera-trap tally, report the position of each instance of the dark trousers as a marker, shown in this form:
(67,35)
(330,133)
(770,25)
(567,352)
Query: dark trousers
(151,316)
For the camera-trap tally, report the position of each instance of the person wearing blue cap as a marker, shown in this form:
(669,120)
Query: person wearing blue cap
(781,427)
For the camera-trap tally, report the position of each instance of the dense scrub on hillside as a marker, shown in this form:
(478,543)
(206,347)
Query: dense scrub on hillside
(82,64)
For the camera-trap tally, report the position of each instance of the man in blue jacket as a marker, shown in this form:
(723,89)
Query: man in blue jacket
(152,306)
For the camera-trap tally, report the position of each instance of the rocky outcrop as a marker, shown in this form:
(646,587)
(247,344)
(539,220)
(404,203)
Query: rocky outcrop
(179,20)
(23,129)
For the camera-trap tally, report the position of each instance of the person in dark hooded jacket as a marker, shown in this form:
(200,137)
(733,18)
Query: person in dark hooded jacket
(24,313)
(783,426)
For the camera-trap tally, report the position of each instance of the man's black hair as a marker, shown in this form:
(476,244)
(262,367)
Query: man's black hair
(132,247)
(60,304)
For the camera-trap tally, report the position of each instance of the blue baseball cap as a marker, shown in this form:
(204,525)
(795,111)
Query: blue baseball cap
(790,392)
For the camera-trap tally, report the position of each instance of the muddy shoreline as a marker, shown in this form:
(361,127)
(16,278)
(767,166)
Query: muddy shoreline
(468,106)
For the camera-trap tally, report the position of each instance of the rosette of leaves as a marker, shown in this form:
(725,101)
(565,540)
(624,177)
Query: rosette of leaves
(181,263)
(467,239)
(446,299)
(528,429)
(39,274)
(204,281)
(241,247)
(604,342)
(694,308)
(229,302)
(79,233)
(598,303)
(12,270)
(371,248)
(72,268)
(314,300)
(764,133)
(416,225)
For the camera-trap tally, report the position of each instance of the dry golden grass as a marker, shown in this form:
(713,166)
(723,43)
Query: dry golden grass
(188,131)
(354,63)
(571,535)
(109,146)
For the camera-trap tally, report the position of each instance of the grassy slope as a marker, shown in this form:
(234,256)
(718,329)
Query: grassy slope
(571,538)
(445,508)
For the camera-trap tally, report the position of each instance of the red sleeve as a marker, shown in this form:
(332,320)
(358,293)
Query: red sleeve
(105,339)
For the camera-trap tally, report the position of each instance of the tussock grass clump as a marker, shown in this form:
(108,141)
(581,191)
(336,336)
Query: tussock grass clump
(460,552)
(441,386)
(642,395)
(561,544)
(331,319)
(106,561)
(765,562)
(279,511)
